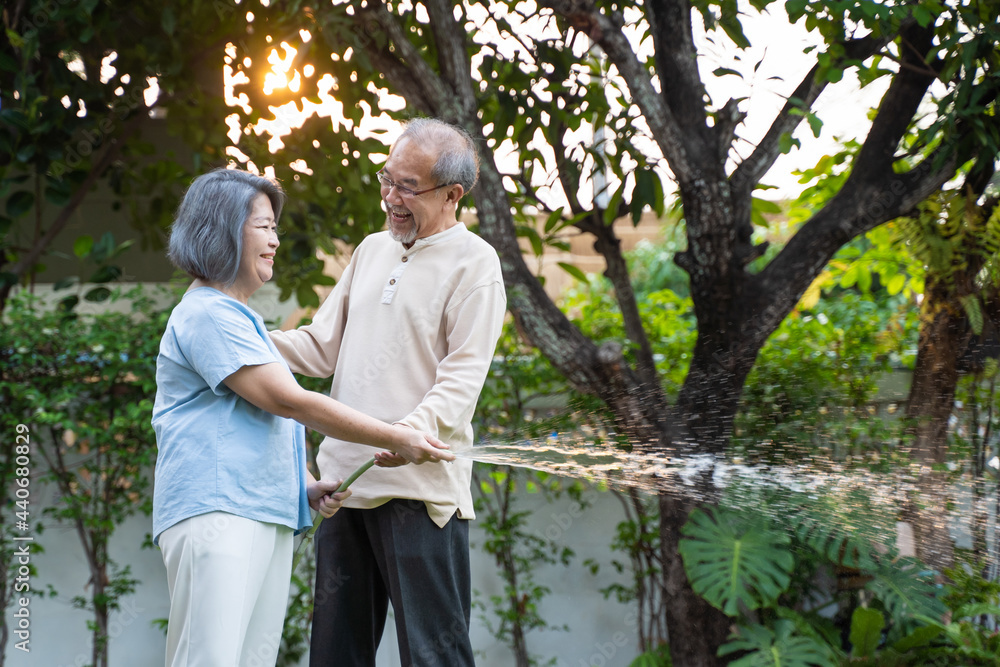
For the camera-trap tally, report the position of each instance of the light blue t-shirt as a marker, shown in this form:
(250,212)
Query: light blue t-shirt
(215,450)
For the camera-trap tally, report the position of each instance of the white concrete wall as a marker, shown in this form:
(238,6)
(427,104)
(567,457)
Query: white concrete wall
(600,632)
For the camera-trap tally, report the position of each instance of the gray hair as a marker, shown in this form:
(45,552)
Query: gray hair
(206,238)
(458,160)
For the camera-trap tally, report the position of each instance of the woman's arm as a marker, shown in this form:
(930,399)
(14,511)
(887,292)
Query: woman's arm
(270,387)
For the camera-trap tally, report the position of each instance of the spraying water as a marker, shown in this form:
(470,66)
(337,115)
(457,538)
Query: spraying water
(857,498)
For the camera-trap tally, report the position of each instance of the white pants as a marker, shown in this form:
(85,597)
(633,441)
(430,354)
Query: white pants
(228,579)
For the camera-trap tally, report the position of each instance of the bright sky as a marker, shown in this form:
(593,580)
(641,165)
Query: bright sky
(777,47)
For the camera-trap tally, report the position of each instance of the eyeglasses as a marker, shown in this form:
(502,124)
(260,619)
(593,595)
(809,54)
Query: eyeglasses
(403,191)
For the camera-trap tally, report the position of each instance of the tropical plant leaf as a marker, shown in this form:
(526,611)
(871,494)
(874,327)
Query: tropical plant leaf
(906,590)
(921,636)
(828,538)
(866,631)
(777,648)
(733,560)
(812,624)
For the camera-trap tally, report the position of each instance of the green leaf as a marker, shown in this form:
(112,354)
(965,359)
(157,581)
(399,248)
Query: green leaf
(648,192)
(306,296)
(106,274)
(725,71)
(16,40)
(864,279)
(97,295)
(168,20)
(20,203)
(786,142)
(733,560)
(553,220)
(850,276)
(895,284)
(796,9)
(611,212)
(65,283)
(57,196)
(26,153)
(815,124)
(534,238)
(866,631)
(67,304)
(731,25)
(83,245)
(574,271)
(920,637)
(974,311)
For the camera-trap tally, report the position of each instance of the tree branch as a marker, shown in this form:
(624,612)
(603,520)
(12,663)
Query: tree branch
(609,246)
(410,74)
(848,214)
(453,55)
(748,174)
(670,137)
(896,111)
(681,87)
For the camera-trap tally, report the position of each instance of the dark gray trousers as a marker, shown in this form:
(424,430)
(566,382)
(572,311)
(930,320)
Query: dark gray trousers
(367,558)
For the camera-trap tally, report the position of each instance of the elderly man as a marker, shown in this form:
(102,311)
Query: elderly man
(408,334)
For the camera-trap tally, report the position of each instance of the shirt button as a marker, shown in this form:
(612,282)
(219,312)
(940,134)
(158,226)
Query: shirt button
(392,282)
(405,258)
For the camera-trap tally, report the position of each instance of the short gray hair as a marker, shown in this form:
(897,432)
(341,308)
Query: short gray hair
(206,238)
(458,160)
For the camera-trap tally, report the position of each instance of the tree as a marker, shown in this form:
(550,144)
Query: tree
(956,238)
(527,78)
(943,253)
(77,111)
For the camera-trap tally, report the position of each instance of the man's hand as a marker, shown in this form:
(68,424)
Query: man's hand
(323,499)
(389,460)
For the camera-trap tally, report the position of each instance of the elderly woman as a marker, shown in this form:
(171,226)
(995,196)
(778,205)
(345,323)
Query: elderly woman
(231,485)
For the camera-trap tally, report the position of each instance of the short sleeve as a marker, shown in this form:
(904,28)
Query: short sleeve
(220,339)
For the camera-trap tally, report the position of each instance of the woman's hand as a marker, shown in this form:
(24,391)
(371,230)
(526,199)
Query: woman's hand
(419,447)
(323,499)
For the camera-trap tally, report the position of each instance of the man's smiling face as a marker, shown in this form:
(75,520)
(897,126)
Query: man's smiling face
(414,217)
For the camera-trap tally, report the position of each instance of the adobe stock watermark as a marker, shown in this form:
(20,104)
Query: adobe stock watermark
(560,523)
(444,643)
(42,15)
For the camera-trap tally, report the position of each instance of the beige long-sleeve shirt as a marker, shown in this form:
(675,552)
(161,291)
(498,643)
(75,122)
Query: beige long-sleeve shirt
(408,335)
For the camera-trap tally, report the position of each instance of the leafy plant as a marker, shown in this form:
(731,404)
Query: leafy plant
(85,385)
(735,561)
(742,562)
(638,538)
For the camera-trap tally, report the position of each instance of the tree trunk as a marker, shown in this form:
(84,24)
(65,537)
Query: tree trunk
(695,627)
(944,334)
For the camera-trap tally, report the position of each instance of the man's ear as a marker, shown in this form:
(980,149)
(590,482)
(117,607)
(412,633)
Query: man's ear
(454,194)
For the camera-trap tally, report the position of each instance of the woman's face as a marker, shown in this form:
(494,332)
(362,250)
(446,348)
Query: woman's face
(260,240)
